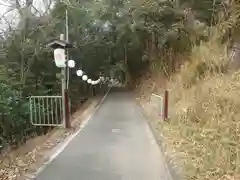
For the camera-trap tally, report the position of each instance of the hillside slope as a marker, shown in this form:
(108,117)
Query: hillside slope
(202,136)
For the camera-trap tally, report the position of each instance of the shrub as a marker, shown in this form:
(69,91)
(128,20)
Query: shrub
(14,109)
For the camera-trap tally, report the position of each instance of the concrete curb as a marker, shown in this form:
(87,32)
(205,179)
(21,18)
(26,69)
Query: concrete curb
(169,168)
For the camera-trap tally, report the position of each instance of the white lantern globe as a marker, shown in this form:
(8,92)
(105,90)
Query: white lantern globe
(89,81)
(79,72)
(84,78)
(97,81)
(71,63)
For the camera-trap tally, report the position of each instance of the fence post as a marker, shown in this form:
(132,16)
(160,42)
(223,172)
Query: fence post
(165,115)
(66,106)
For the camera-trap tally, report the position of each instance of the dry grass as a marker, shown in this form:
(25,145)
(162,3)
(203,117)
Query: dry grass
(205,126)
(203,134)
(204,129)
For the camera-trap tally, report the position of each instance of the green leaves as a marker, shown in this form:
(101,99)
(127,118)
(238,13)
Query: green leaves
(110,35)
(14,113)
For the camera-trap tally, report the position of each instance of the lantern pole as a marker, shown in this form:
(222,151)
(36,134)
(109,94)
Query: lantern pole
(63,86)
(67,39)
(66,78)
(65,81)
(64,44)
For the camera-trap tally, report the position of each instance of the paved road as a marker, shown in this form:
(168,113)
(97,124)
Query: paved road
(115,145)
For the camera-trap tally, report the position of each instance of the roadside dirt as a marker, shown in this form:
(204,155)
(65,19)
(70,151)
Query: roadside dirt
(22,163)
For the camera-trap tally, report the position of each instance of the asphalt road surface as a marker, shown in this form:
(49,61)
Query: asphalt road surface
(116,144)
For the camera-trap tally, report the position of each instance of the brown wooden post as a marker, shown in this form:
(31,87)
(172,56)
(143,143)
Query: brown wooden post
(165,115)
(67,109)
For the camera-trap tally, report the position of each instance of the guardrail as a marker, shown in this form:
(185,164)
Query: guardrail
(157,104)
(160,104)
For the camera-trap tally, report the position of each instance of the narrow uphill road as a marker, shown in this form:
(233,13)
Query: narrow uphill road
(116,144)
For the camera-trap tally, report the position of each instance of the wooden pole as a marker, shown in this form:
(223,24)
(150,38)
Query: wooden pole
(165,115)
(66,92)
(67,109)
(63,85)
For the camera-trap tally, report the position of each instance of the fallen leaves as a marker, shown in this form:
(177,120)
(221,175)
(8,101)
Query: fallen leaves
(15,166)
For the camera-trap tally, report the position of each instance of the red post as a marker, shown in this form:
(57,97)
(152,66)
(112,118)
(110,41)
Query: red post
(165,115)
(66,102)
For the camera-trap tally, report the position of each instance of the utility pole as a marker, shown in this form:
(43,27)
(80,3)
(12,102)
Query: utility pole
(65,81)
(63,84)
(61,58)
(67,39)
(66,92)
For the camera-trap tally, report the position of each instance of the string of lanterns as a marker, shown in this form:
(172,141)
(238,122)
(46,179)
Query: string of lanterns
(80,73)
(85,78)
(60,61)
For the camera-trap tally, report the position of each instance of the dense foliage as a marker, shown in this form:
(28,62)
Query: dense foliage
(117,37)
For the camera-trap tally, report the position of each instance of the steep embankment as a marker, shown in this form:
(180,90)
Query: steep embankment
(203,133)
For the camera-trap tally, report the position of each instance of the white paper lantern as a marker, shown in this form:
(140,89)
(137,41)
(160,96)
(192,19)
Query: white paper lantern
(98,81)
(84,78)
(71,63)
(79,73)
(89,81)
(93,82)
(59,57)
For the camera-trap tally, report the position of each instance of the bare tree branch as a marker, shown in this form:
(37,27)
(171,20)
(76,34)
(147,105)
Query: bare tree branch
(47,7)
(3,15)
(6,5)
(18,5)
(29,3)
(8,23)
